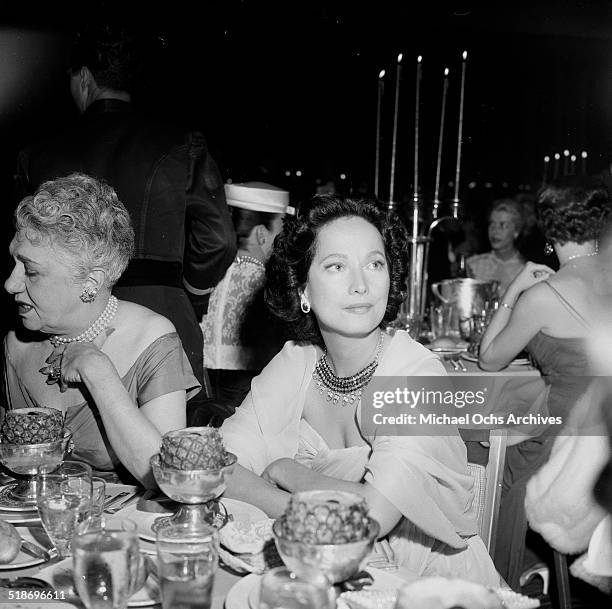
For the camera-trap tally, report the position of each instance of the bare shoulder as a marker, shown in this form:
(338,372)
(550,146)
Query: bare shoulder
(540,293)
(141,323)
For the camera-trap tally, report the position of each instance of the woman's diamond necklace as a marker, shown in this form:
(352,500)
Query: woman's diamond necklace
(344,390)
(96,327)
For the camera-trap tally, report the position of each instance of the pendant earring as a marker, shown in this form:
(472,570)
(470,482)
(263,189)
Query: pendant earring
(89,294)
(304,304)
(548,249)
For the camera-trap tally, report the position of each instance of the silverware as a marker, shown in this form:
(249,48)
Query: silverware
(115,499)
(453,362)
(132,498)
(460,363)
(36,551)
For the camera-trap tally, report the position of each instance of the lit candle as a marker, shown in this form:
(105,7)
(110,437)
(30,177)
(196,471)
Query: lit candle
(566,154)
(417,103)
(545,173)
(583,157)
(459,137)
(394,146)
(381,83)
(556,166)
(440,140)
(572,165)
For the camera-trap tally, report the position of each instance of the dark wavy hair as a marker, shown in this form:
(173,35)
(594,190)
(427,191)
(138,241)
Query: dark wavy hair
(294,250)
(573,209)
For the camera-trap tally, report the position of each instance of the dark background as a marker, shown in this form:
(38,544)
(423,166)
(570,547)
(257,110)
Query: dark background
(282,86)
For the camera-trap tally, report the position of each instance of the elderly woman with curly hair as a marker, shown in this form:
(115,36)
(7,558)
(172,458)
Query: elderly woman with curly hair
(335,277)
(549,314)
(117,369)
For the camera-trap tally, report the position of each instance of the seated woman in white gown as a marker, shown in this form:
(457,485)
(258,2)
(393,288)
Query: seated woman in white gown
(335,277)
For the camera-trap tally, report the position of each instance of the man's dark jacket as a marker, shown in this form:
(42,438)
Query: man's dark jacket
(174,192)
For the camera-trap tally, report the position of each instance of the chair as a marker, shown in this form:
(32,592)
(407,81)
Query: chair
(488,482)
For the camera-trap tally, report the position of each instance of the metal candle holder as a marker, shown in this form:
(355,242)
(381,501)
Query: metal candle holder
(412,310)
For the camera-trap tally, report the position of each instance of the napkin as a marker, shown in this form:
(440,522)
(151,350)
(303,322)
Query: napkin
(248,546)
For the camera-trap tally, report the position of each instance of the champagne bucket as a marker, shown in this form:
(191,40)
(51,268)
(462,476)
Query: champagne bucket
(467,296)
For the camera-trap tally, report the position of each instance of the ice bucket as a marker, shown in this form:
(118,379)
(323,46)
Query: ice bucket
(467,296)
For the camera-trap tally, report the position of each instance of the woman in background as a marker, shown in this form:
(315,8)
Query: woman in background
(504,262)
(240,338)
(550,314)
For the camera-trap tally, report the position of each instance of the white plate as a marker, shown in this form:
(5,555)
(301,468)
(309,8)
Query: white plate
(519,361)
(244,594)
(144,520)
(446,350)
(23,560)
(20,517)
(238,596)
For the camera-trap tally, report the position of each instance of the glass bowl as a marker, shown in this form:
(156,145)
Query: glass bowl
(191,486)
(337,561)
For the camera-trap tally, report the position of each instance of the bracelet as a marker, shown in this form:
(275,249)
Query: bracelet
(506,306)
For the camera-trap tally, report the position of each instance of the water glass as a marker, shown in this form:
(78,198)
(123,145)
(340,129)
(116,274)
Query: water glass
(98,497)
(107,566)
(187,561)
(440,320)
(63,499)
(283,589)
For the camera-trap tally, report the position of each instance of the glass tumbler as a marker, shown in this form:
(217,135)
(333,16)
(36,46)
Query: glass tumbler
(187,558)
(283,589)
(107,566)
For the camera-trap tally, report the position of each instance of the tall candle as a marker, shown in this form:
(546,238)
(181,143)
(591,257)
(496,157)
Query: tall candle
(381,83)
(556,166)
(459,137)
(417,103)
(566,154)
(545,172)
(440,140)
(583,157)
(394,145)
(572,170)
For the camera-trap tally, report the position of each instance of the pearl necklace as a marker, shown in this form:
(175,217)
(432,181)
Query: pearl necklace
(344,390)
(96,327)
(252,259)
(582,255)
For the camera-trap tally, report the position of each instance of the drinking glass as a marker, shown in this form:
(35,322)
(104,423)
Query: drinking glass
(63,499)
(98,497)
(187,560)
(440,319)
(107,566)
(283,589)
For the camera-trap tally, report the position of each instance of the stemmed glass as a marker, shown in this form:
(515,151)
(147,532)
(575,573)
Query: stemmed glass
(63,499)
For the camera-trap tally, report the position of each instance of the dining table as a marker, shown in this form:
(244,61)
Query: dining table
(225,578)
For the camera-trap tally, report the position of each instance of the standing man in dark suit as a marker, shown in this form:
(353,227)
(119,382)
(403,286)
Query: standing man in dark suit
(163,174)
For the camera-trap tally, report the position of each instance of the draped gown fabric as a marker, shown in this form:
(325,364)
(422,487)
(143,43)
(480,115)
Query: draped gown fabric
(425,477)
(161,368)
(564,367)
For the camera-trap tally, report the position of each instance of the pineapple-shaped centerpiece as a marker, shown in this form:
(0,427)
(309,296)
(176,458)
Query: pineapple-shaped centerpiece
(190,468)
(31,440)
(328,530)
